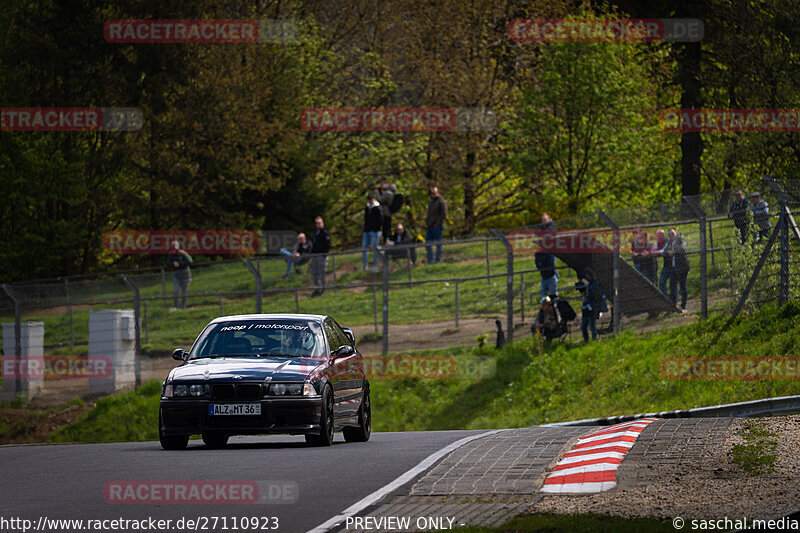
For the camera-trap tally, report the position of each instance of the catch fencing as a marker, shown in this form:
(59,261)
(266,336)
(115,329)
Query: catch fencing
(406,304)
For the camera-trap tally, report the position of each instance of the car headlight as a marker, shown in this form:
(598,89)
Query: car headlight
(291,389)
(184,391)
(197,390)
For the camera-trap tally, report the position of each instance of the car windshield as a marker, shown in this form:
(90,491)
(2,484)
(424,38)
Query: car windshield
(253,338)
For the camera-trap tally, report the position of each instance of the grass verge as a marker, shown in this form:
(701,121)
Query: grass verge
(532,383)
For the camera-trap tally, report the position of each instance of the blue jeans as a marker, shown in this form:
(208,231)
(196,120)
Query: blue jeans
(290,259)
(368,240)
(434,234)
(549,286)
(666,274)
(676,279)
(588,322)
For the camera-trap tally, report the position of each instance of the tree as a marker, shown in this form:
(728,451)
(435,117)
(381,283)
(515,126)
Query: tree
(586,133)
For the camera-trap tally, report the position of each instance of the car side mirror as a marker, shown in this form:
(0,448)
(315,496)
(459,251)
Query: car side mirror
(344,350)
(349,333)
(180,354)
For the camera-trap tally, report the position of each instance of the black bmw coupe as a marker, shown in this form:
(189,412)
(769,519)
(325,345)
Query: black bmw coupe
(264,374)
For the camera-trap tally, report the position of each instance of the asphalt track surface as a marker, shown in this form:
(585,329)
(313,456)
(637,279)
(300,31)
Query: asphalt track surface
(68,481)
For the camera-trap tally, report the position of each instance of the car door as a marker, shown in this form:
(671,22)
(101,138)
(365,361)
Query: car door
(352,380)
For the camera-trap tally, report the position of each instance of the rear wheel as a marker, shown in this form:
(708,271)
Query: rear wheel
(364,429)
(171,442)
(325,437)
(215,439)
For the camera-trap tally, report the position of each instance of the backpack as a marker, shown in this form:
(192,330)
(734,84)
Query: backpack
(397,203)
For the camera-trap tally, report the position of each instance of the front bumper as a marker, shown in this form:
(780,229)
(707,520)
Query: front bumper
(295,416)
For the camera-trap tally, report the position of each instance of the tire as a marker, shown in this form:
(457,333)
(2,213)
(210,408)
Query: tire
(171,442)
(215,439)
(325,437)
(364,429)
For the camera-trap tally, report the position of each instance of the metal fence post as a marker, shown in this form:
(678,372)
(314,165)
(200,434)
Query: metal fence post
(698,210)
(17,334)
(137,343)
(456,303)
(615,312)
(164,287)
(783,294)
(256,275)
(375,308)
(69,310)
(488,264)
(509,284)
(385,260)
(522,296)
(333,268)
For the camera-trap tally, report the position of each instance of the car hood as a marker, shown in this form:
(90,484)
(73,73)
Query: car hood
(249,369)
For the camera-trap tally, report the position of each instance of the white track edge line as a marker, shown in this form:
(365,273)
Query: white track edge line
(397,483)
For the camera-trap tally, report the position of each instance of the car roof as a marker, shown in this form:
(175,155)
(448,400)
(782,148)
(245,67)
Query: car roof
(270,316)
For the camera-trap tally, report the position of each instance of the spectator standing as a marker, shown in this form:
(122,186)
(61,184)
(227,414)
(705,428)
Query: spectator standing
(295,258)
(437,214)
(666,272)
(644,262)
(402,237)
(678,255)
(319,263)
(593,304)
(373,219)
(179,260)
(738,213)
(760,215)
(385,194)
(548,322)
(546,263)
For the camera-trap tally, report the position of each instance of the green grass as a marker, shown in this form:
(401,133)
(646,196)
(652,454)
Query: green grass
(582,523)
(533,383)
(757,454)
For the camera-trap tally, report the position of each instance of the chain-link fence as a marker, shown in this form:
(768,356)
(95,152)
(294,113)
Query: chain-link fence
(711,258)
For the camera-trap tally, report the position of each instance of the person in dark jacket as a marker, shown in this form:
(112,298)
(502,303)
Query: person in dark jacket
(179,260)
(738,213)
(643,261)
(434,220)
(593,303)
(401,237)
(666,267)
(546,262)
(384,193)
(677,254)
(371,237)
(760,215)
(321,244)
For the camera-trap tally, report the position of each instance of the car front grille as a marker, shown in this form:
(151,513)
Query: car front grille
(238,391)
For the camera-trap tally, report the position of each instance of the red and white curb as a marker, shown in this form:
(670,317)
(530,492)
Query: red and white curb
(591,465)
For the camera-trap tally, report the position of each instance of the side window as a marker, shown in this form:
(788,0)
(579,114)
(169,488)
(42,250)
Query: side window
(330,333)
(342,335)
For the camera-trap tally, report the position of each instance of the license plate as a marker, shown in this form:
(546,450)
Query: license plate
(217,409)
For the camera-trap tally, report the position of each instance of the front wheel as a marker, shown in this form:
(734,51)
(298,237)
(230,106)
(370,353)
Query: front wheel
(364,429)
(325,437)
(171,442)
